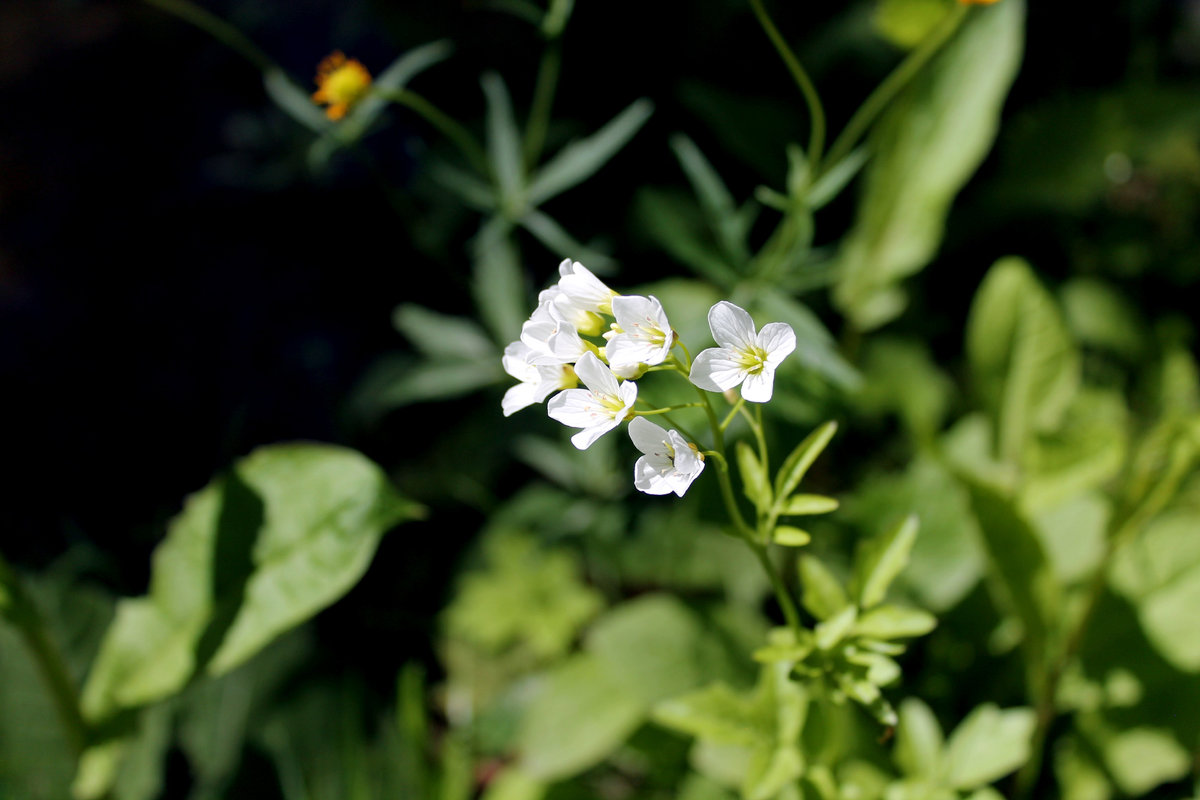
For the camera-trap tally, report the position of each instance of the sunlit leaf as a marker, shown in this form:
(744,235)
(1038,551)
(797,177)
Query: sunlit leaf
(988,744)
(880,560)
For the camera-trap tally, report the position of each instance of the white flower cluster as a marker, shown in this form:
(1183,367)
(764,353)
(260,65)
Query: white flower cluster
(555,354)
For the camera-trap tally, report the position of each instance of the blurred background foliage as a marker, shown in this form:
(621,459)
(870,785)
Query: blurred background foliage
(195,264)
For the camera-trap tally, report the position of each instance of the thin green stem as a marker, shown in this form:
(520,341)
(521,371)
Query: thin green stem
(667,409)
(24,614)
(439,119)
(218,29)
(782,596)
(732,413)
(816,139)
(543,101)
(893,83)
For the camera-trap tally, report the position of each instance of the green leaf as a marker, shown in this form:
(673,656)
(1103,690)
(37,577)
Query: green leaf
(504,144)
(256,552)
(579,160)
(294,101)
(880,560)
(441,335)
(988,744)
(894,622)
(834,630)
(1022,359)
(652,646)
(465,185)
(754,476)
(834,179)
(791,537)
(714,198)
(1086,452)
(558,241)
(1024,578)
(436,380)
(512,783)
(822,593)
(579,715)
(905,23)
(919,741)
(926,146)
(497,280)
(806,504)
(816,348)
(902,378)
(1100,316)
(676,225)
(796,465)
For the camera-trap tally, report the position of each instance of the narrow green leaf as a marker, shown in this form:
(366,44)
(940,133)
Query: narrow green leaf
(294,101)
(441,335)
(466,186)
(754,477)
(834,179)
(919,741)
(433,380)
(579,160)
(926,146)
(880,560)
(805,504)
(894,622)
(835,629)
(504,144)
(561,243)
(821,592)
(714,198)
(256,552)
(791,537)
(801,458)
(497,280)
(676,226)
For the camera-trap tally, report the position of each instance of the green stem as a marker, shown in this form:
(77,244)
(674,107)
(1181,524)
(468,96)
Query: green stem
(893,83)
(543,101)
(733,412)
(454,131)
(218,28)
(816,139)
(782,596)
(667,409)
(24,614)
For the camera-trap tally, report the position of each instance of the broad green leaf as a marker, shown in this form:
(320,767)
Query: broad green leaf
(652,647)
(902,378)
(504,145)
(579,160)
(790,536)
(919,740)
(1087,451)
(1143,757)
(946,561)
(579,715)
(441,335)
(880,560)
(754,476)
(288,531)
(926,146)
(905,23)
(497,280)
(796,465)
(1159,572)
(987,745)
(1022,359)
(1100,316)
(1023,575)
(1073,535)
(512,783)
(524,595)
(894,622)
(806,504)
(821,592)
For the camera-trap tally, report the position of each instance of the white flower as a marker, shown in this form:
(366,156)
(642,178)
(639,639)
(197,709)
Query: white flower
(642,336)
(537,381)
(582,298)
(670,463)
(743,355)
(551,339)
(604,405)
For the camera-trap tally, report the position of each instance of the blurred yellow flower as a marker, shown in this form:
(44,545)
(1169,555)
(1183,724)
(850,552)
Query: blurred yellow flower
(341,82)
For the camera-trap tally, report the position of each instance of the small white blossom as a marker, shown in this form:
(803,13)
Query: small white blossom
(670,463)
(744,356)
(642,334)
(537,381)
(604,405)
(582,298)
(551,338)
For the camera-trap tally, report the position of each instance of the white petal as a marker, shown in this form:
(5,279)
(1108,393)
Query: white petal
(680,481)
(516,361)
(578,408)
(628,350)
(778,339)
(647,437)
(714,370)
(634,312)
(595,375)
(628,394)
(518,397)
(731,326)
(758,388)
(584,439)
(648,479)
(582,290)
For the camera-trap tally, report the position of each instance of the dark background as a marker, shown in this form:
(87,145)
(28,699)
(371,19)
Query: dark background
(176,289)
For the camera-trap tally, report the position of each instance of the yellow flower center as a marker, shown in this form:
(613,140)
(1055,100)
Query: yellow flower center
(752,360)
